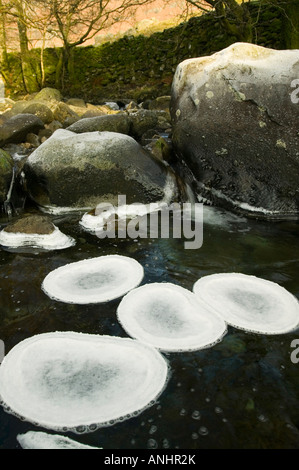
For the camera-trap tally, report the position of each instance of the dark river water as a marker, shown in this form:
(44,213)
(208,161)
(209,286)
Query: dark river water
(242,393)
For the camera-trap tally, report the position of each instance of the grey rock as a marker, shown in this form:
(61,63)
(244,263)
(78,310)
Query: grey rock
(83,170)
(40,110)
(31,224)
(110,122)
(63,113)
(16,128)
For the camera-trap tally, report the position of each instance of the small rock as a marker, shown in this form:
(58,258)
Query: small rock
(141,121)
(16,128)
(77,102)
(33,139)
(62,112)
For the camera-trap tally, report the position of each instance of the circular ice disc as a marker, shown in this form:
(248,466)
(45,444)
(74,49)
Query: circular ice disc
(169,318)
(249,302)
(93,280)
(65,380)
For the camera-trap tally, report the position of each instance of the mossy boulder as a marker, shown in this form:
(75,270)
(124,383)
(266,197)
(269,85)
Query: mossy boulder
(141,121)
(82,170)
(40,110)
(15,129)
(236,127)
(64,114)
(31,224)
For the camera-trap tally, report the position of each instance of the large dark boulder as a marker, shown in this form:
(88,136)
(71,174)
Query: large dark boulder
(82,170)
(15,129)
(235,125)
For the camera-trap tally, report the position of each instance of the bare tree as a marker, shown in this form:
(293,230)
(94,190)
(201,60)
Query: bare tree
(74,22)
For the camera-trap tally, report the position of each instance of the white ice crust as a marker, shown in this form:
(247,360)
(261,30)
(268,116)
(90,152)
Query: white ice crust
(66,381)
(43,440)
(93,280)
(53,241)
(250,303)
(170,318)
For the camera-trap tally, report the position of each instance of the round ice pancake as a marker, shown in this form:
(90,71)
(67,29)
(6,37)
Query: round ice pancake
(169,318)
(93,280)
(249,302)
(73,381)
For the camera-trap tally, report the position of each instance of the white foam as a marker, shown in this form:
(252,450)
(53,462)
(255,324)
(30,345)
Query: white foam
(169,318)
(93,280)
(53,241)
(43,440)
(66,381)
(249,302)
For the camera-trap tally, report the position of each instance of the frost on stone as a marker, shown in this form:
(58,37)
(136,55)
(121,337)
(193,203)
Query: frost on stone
(53,241)
(249,303)
(93,280)
(170,318)
(43,440)
(101,221)
(66,381)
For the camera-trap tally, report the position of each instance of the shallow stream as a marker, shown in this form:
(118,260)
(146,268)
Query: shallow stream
(241,393)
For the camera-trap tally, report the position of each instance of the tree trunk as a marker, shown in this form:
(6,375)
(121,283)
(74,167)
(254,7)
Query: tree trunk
(65,67)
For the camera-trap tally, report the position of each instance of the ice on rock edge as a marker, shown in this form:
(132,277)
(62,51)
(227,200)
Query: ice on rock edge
(53,241)
(93,280)
(97,223)
(170,318)
(66,381)
(43,440)
(250,303)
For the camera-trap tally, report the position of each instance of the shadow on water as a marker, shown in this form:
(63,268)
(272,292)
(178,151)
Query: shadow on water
(241,393)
